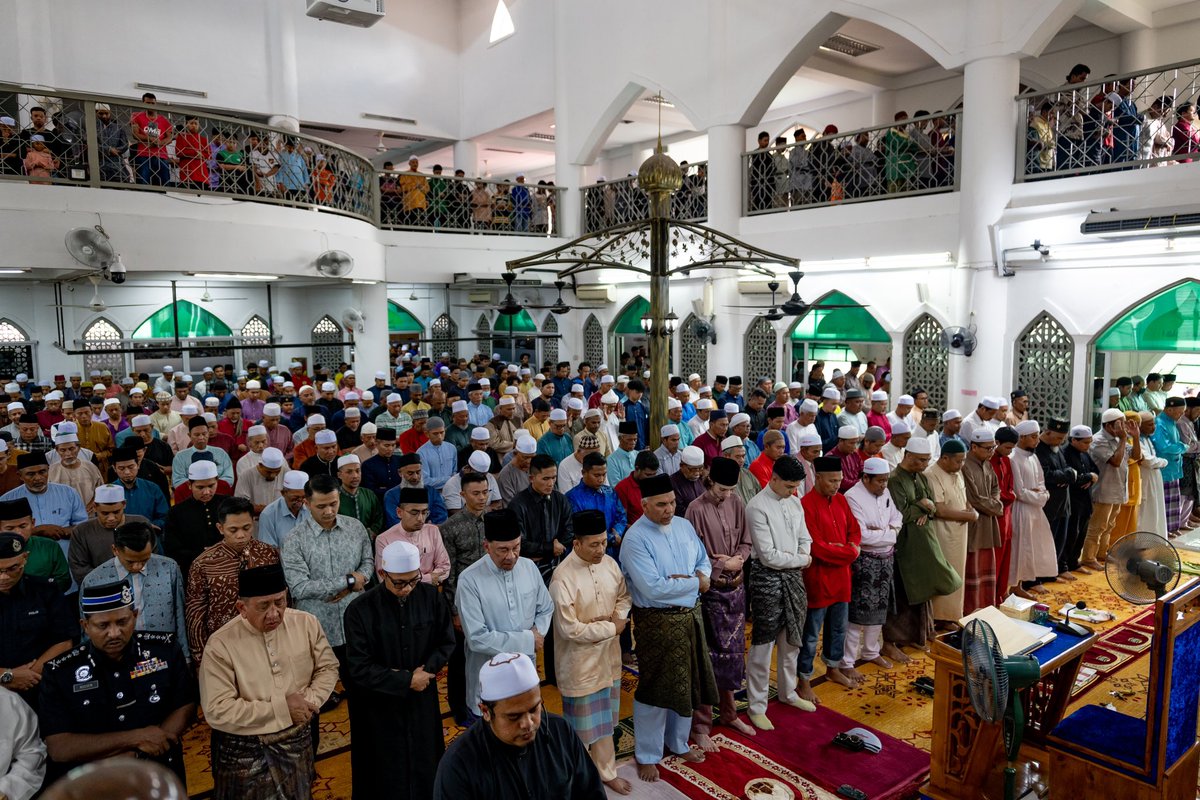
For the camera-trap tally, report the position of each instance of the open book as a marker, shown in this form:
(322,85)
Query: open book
(1016,637)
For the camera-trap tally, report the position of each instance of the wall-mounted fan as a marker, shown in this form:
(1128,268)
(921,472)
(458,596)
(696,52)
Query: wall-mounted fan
(335,263)
(959,341)
(353,320)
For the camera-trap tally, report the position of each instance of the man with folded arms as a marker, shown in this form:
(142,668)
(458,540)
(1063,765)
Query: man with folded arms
(719,517)
(667,570)
(591,610)
(264,676)
(871,573)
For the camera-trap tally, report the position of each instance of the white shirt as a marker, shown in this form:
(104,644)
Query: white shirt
(892,454)
(697,425)
(878,518)
(668,462)
(778,534)
(257,489)
(452,492)
(794,431)
(570,473)
(970,422)
(22,752)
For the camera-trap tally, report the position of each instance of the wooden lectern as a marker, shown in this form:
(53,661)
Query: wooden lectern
(965,749)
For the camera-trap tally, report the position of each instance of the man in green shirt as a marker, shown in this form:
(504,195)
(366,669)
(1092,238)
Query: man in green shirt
(361,504)
(46,558)
(922,571)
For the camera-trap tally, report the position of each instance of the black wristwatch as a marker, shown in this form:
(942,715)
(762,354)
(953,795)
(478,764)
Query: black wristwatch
(7,677)
(350,581)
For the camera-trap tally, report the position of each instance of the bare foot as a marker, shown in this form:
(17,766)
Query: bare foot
(620,785)
(854,675)
(880,661)
(705,743)
(693,756)
(1094,564)
(840,678)
(1066,576)
(1025,593)
(648,772)
(1082,570)
(895,654)
(806,692)
(740,726)
(1038,589)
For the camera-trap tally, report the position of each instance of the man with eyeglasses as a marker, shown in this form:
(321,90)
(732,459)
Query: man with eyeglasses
(398,636)
(983,535)
(414,527)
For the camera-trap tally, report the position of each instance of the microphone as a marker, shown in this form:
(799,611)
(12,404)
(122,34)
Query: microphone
(1073,628)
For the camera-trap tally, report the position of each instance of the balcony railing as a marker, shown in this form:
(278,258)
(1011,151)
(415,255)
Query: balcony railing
(1131,121)
(912,157)
(608,203)
(417,201)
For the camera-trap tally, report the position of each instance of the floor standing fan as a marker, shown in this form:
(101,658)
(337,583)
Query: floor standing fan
(994,683)
(1141,567)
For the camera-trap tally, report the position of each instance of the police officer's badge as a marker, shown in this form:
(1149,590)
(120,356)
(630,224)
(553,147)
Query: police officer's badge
(16,546)
(83,673)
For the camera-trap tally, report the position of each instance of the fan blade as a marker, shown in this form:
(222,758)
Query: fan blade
(66,305)
(839,305)
(126,305)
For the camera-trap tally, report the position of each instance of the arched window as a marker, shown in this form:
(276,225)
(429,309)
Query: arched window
(445,336)
(550,346)
(103,335)
(16,351)
(483,329)
(693,354)
(760,355)
(593,341)
(326,335)
(257,332)
(1045,360)
(926,362)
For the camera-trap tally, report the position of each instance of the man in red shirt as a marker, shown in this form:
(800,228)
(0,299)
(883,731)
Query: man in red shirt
(153,132)
(192,152)
(773,450)
(836,538)
(645,465)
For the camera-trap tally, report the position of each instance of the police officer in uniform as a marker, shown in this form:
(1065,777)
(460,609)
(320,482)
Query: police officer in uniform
(36,621)
(122,692)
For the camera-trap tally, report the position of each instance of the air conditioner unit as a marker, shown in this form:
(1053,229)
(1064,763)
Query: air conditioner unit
(753,287)
(1148,221)
(596,293)
(483,298)
(360,13)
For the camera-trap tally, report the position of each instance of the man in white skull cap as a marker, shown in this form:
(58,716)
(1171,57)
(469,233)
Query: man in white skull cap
(519,750)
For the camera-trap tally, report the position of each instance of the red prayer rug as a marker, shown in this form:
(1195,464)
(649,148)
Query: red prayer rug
(801,753)
(1116,648)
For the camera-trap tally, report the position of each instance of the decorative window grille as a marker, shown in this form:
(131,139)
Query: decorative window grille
(550,346)
(326,335)
(593,341)
(258,333)
(445,336)
(926,362)
(103,335)
(16,351)
(760,355)
(693,354)
(1045,360)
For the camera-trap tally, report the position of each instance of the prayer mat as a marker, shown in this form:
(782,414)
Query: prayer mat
(724,774)
(1115,649)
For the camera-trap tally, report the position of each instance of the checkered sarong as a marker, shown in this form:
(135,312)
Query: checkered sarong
(594,715)
(1173,501)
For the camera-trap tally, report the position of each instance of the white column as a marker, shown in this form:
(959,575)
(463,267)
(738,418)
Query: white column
(466,157)
(568,175)
(987,160)
(725,146)
(371,345)
(34,35)
(282,80)
(1139,51)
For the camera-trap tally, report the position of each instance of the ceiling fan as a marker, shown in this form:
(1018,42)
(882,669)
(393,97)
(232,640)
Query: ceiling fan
(208,298)
(794,306)
(510,305)
(773,314)
(97,304)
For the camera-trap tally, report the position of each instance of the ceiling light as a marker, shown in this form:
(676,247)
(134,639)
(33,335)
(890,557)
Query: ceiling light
(839,43)
(360,282)
(13,271)
(231,276)
(502,24)
(658,99)
(911,260)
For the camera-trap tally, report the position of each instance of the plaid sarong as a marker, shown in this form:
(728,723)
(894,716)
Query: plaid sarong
(276,766)
(1173,501)
(594,715)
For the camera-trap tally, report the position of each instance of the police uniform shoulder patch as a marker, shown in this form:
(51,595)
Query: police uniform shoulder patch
(156,637)
(65,658)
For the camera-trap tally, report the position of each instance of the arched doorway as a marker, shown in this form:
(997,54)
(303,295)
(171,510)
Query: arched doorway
(403,327)
(256,337)
(445,337)
(836,336)
(926,362)
(550,345)
(206,337)
(327,350)
(1160,333)
(16,351)
(593,341)
(511,337)
(102,334)
(625,335)
(693,353)
(1045,365)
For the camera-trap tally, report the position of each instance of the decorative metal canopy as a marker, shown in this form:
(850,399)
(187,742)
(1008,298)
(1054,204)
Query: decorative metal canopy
(627,247)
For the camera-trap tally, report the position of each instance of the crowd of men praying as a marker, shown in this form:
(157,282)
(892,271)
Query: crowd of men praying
(261,546)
